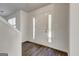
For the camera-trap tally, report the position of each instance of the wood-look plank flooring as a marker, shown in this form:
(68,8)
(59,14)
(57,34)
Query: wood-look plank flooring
(33,49)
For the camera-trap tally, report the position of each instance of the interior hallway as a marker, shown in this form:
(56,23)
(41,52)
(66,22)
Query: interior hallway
(30,22)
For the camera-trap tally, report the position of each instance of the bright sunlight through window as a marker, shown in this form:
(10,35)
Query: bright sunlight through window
(33,27)
(49,27)
(12,22)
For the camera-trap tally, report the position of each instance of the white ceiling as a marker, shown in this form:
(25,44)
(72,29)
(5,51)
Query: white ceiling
(7,9)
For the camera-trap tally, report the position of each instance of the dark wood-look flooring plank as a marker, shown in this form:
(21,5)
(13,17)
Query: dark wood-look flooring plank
(33,49)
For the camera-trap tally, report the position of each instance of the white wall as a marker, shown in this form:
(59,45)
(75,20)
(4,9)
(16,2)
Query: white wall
(60,16)
(74,29)
(10,41)
(24,25)
(61,27)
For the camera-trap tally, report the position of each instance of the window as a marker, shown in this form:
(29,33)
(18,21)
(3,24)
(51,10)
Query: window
(49,27)
(33,27)
(12,22)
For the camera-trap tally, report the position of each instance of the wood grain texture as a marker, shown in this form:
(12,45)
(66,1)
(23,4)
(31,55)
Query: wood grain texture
(33,49)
